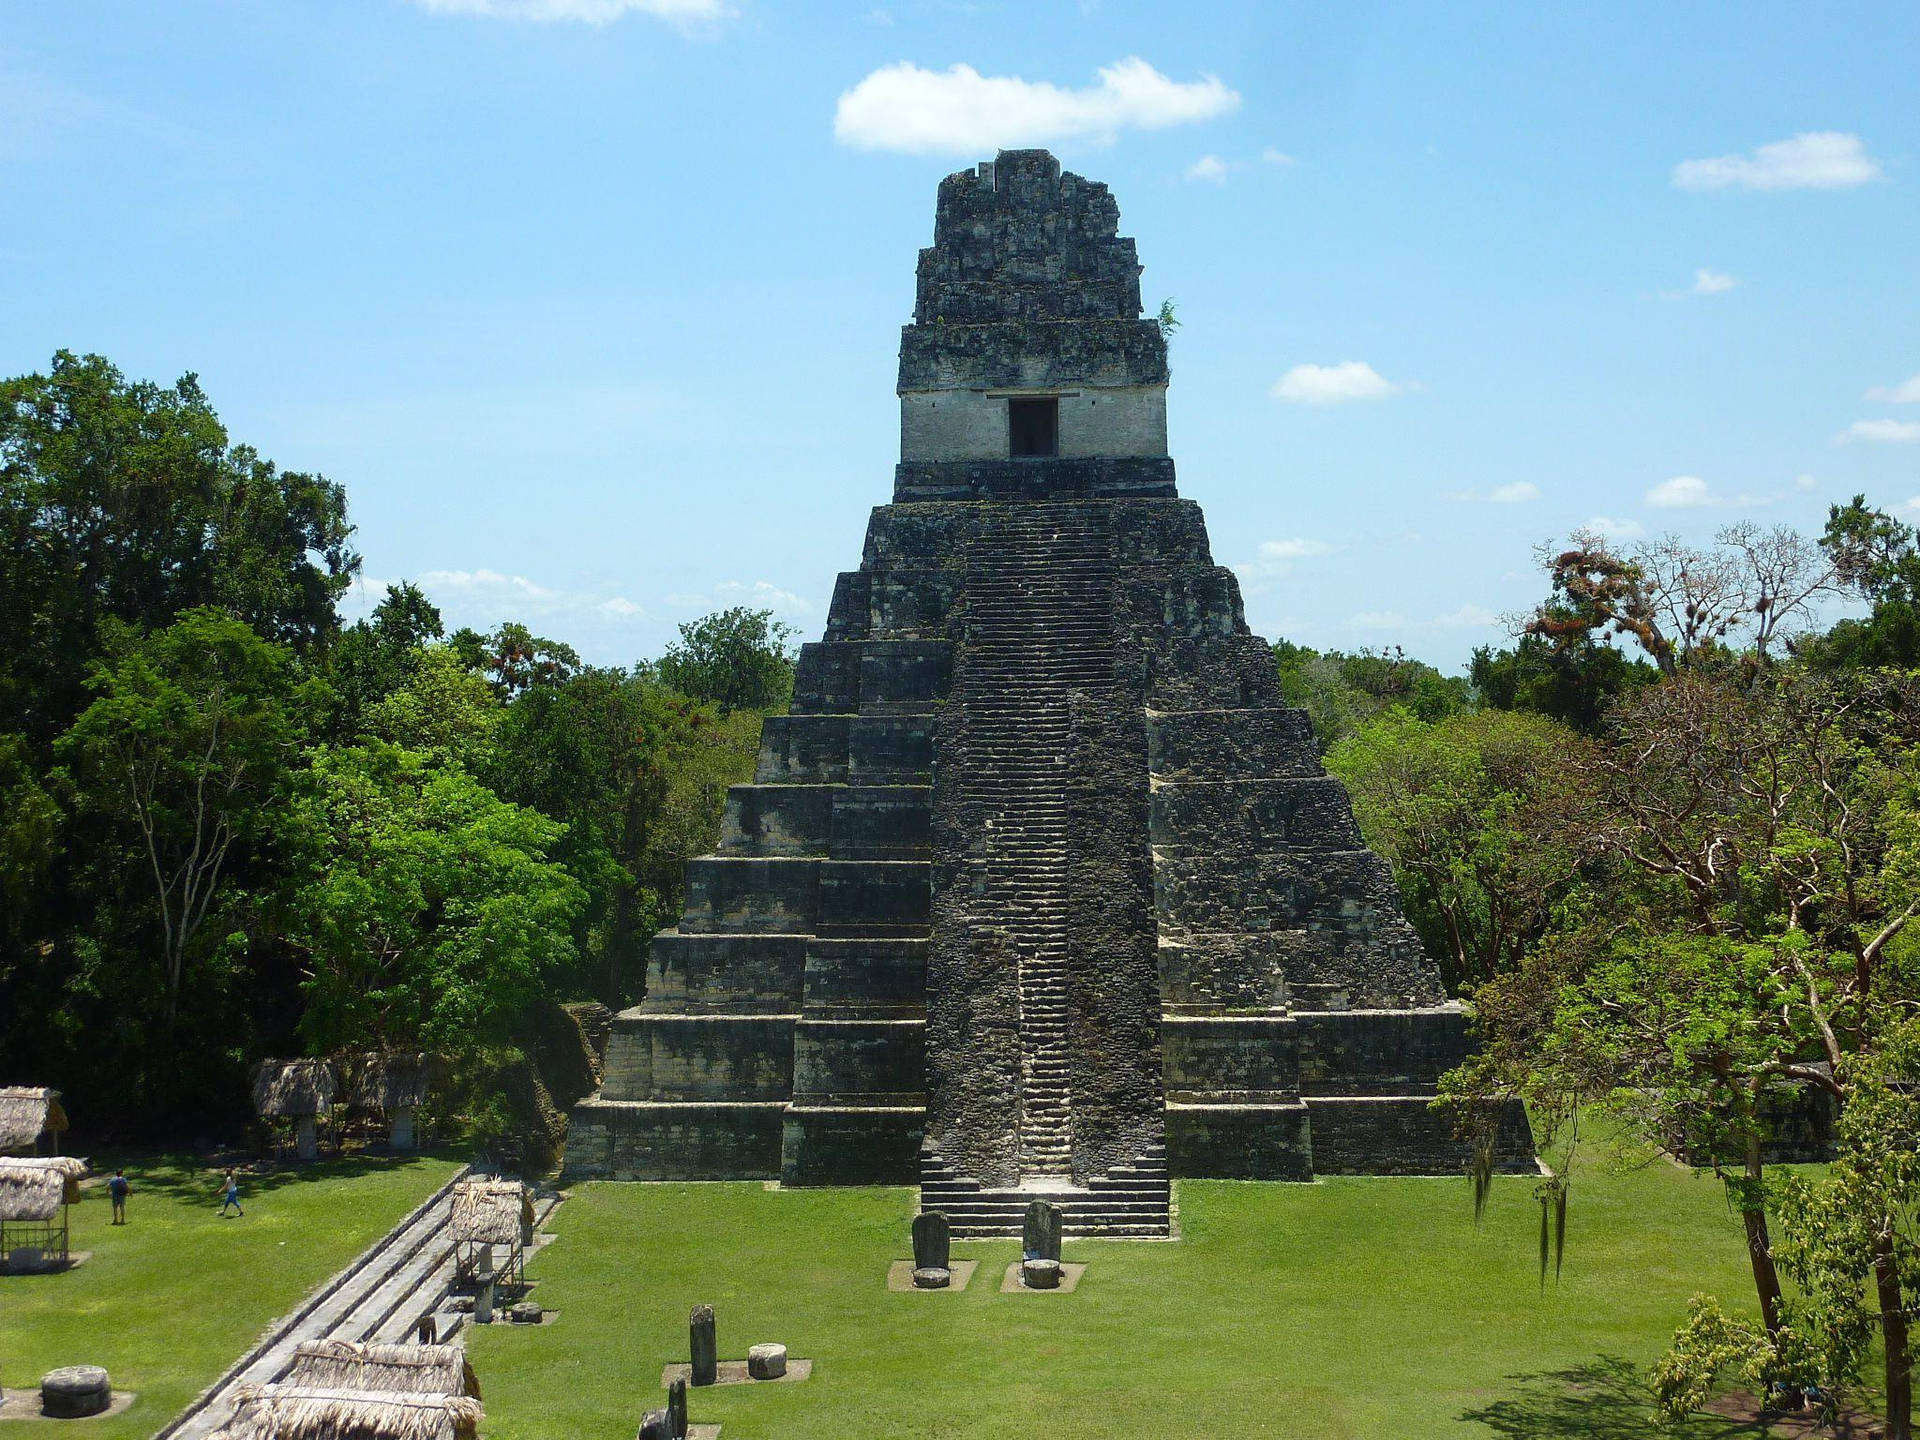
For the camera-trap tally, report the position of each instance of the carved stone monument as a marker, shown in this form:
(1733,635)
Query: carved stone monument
(1040,1232)
(677,1410)
(932,1251)
(703,1345)
(1041,887)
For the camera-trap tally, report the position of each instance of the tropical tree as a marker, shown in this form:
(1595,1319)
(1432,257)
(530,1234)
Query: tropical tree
(187,749)
(1471,811)
(739,659)
(429,912)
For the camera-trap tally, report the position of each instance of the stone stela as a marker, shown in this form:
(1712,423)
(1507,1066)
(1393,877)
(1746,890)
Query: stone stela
(1040,892)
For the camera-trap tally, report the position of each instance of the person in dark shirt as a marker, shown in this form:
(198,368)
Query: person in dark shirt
(117,1189)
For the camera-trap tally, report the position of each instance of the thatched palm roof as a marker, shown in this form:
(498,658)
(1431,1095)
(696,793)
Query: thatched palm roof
(295,1412)
(26,1113)
(490,1212)
(393,1080)
(356,1365)
(292,1088)
(34,1190)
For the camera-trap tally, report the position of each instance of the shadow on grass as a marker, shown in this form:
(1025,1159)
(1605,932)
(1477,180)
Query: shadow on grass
(1604,1399)
(197,1177)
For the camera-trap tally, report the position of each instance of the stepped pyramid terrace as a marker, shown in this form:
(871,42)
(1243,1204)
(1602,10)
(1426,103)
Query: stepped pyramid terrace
(1040,890)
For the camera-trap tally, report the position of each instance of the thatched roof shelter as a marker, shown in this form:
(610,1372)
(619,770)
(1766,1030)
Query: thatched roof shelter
(26,1113)
(358,1365)
(290,1089)
(34,1189)
(393,1080)
(490,1212)
(296,1412)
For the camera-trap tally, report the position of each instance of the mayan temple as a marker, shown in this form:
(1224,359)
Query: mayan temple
(1040,890)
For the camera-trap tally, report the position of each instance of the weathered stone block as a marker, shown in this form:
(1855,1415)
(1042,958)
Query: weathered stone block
(861,1060)
(880,822)
(693,974)
(652,1140)
(876,896)
(851,1144)
(1249,816)
(1269,743)
(777,819)
(728,893)
(1240,1141)
(1380,1052)
(851,978)
(1249,1058)
(699,1057)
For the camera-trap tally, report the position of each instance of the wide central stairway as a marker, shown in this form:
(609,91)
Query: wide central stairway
(1038,630)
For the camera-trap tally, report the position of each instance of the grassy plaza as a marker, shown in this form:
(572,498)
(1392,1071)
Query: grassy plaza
(169,1300)
(1351,1307)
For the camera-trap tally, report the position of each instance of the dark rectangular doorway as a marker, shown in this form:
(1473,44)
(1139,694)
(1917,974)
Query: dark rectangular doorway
(1033,427)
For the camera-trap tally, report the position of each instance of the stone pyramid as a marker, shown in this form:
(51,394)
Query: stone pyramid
(1040,890)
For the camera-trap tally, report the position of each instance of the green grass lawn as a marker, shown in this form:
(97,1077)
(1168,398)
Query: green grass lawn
(1348,1308)
(173,1297)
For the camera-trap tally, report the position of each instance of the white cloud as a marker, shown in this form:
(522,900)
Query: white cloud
(1210,168)
(1815,160)
(485,582)
(1705,282)
(1883,432)
(1468,617)
(1912,507)
(1682,492)
(1271,156)
(755,595)
(1333,384)
(1517,493)
(1690,492)
(1907,392)
(960,111)
(1276,557)
(1616,529)
(1804,482)
(590,12)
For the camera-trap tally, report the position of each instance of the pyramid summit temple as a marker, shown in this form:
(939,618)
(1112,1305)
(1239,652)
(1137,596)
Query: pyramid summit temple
(1041,889)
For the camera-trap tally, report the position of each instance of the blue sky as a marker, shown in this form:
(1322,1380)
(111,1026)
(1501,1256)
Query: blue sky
(594,305)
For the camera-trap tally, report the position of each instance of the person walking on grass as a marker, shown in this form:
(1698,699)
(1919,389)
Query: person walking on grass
(232,1196)
(117,1189)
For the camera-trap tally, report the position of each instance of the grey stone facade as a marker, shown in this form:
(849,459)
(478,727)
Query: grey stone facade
(1040,888)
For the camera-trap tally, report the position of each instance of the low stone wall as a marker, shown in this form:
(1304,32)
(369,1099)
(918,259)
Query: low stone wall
(632,1140)
(1239,1142)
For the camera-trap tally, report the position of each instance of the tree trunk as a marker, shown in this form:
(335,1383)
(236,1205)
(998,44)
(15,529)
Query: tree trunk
(1766,1279)
(1893,1332)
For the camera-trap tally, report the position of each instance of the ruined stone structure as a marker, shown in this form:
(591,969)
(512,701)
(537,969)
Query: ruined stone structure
(1041,890)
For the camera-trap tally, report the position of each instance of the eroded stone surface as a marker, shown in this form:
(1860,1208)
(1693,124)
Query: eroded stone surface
(766,1362)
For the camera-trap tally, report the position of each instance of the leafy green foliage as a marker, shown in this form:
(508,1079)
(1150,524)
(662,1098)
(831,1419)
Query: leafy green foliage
(186,753)
(739,659)
(429,912)
(1341,692)
(1575,682)
(1471,811)
(126,502)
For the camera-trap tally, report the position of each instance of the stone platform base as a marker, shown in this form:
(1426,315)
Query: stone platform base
(734,1372)
(25,1405)
(900,1277)
(1070,1273)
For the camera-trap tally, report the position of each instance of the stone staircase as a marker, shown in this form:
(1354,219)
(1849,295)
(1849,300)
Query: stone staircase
(1039,626)
(1130,1202)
